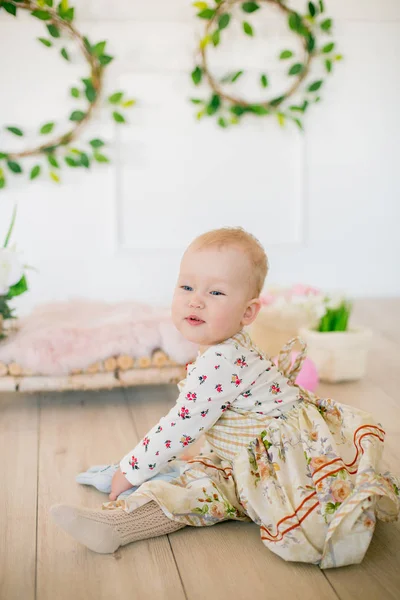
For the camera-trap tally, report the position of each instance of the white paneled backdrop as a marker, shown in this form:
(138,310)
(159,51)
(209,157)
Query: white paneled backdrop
(325,204)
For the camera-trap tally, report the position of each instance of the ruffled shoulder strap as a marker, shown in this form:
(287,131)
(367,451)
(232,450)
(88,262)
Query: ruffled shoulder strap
(285,359)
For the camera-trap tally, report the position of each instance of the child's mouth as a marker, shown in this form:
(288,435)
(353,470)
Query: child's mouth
(194,321)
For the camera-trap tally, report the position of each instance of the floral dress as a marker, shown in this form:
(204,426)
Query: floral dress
(304,469)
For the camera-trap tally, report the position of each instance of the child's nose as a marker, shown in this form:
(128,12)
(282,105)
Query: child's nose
(196,302)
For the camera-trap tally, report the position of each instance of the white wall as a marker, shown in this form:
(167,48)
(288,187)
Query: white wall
(325,204)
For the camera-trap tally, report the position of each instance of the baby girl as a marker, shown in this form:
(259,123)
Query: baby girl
(304,469)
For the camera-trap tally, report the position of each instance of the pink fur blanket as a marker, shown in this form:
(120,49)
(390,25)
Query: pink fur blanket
(56,338)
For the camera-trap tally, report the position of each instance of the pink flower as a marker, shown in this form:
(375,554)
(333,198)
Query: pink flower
(340,490)
(317,462)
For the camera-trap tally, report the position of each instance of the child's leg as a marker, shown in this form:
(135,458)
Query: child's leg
(104,531)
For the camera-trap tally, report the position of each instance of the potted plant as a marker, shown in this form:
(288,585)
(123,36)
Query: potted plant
(338,351)
(12,277)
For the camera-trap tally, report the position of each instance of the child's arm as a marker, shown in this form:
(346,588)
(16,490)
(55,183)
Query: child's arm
(211,386)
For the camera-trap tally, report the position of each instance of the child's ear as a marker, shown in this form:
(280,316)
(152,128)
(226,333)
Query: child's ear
(251,312)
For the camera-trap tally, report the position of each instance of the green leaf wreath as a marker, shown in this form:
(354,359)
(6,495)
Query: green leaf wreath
(229,108)
(57,150)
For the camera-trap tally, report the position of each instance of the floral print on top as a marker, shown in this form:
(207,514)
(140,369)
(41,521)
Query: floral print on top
(226,376)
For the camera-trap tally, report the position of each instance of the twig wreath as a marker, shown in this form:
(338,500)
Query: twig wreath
(229,108)
(59,23)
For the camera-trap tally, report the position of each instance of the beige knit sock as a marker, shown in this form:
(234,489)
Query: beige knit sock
(104,531)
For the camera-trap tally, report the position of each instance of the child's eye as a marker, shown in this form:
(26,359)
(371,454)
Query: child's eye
(215,293)
(187,288)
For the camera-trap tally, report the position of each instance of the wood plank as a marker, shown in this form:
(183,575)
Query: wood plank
(18,493)
(79,430)
(381,314)
(232,563)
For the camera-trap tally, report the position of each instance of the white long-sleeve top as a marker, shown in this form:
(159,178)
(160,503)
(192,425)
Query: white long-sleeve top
(231,375)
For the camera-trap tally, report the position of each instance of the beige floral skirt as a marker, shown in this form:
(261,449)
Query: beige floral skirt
(310,481)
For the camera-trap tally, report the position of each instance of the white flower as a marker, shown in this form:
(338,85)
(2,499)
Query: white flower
(11,270)
(334,302)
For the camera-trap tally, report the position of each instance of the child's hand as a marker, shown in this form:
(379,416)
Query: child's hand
(119,484)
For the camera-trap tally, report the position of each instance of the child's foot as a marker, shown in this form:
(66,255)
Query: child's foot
(104,531)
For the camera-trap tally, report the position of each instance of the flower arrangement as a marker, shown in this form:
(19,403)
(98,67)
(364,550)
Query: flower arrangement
(322,312)
(12,276)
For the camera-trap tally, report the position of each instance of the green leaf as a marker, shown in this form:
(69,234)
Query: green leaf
(321,6)
(223,20)
(47,128)
(19,288)
(276,101)
(299,124)
(49,3)
(35,172)
(197,75)
(14,166)
(295,22)
(196,101)
(328,65)
(2,183)
(338,57)
(84,160)
(295,69)
(64,53)
(10,8)
(250,7)
(101,158)
(236,76)
(286,54)
(3,155)
(71,162)
(326,25)
(281,119)
(53,31)
(200,5)
(116,98)
(69,14)
(96,143)
(105,59)
(207,13)
(87,44)
(10,229)
(77,115)
(328,48)
(264,80)
(247,28)
(258,109)
(90,93)
(237,110)
(53,161)
(314,87)
(98,49)
(128,103)
(118,118)
(312,9)
(213,105)
(43,15)
(310,42)
(15,131)
(222,122)
(215,38)
(45,42)
(75,93)
(54,177)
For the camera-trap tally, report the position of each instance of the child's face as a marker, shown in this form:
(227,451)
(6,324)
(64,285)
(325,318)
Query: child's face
(214,287)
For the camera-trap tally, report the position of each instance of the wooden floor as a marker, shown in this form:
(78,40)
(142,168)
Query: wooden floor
(45,440)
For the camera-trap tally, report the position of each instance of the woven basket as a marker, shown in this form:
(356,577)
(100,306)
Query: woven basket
(272,330)
(338,355)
